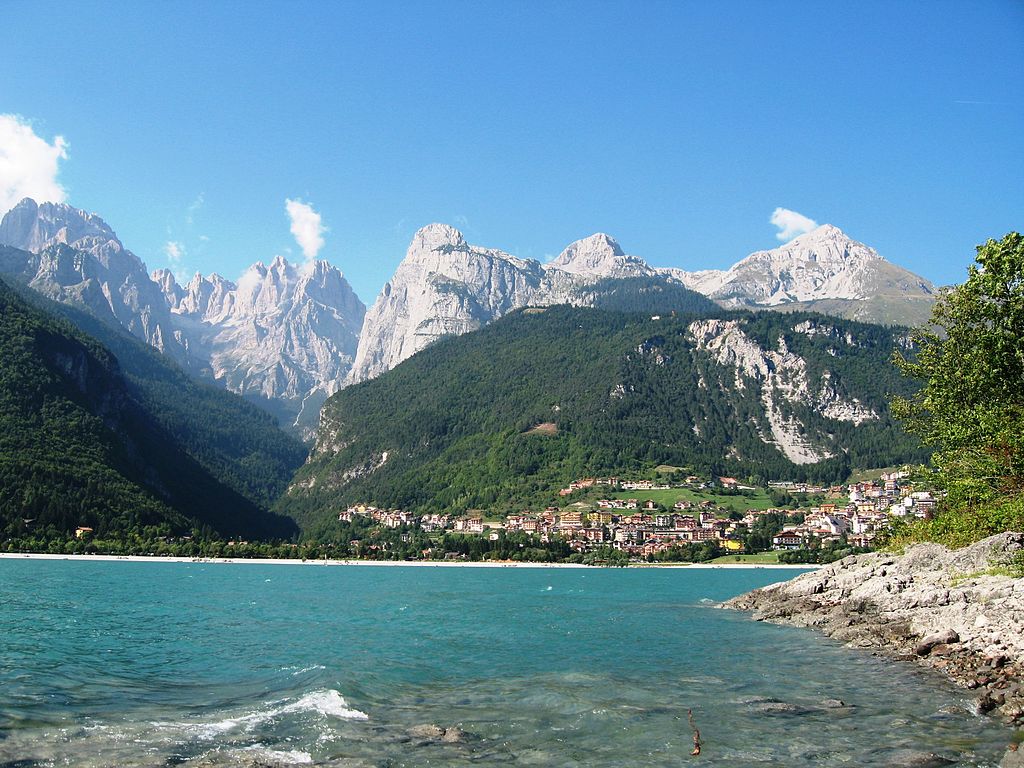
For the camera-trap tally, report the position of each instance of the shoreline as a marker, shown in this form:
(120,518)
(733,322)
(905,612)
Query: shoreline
(386,563)
(948,610)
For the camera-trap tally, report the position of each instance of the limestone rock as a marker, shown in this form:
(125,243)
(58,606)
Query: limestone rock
(285,334)
(445,287)
(783,379)
(822,270)
(74,257)
(912,606)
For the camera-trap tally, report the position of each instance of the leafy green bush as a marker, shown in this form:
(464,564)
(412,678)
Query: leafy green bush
(959,526)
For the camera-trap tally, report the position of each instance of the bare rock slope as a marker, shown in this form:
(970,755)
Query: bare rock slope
(944,608)
(823,270)
(285,335)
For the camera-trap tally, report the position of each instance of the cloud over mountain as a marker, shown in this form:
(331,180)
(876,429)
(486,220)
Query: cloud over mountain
(28,164)
(791,224)
(306,226)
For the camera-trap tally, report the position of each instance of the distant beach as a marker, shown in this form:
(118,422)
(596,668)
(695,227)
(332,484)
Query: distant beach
(412,563)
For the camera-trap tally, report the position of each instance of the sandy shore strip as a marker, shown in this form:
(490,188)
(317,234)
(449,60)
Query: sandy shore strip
(399,563)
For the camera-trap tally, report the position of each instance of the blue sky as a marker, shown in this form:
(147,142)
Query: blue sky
(677,127)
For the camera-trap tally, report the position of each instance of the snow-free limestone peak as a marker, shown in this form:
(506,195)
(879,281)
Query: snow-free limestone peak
(284,334)
(74,257)
(824,270)
(33,226)
(444,286)
(599,256)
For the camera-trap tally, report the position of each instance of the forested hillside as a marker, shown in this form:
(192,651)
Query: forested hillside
(233,439)
(81,445)
(503,416)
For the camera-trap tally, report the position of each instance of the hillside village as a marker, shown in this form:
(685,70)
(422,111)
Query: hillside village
(642,528)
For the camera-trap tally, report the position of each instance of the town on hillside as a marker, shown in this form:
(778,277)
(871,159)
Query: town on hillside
(631,518)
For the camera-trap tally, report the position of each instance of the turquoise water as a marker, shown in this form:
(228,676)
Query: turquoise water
(118,663)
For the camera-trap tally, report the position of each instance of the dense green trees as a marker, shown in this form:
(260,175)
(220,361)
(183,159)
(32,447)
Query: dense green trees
(970,361)
(236,441)
(78,447)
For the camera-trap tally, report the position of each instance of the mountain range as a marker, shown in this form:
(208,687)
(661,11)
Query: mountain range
(288,336)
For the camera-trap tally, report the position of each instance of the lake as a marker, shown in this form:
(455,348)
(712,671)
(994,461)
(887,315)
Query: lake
(199,664)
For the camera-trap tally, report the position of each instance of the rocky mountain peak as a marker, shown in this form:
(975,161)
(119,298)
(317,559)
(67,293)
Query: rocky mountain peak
(826,243)
(33,226)
(823,265)
(285,334)
(79,260)
(599,256)
(205,297)
(173,292)
(435,237)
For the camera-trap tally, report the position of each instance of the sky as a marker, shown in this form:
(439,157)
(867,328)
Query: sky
(214,135)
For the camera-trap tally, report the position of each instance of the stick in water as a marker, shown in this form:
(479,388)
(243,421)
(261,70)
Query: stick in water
(696,733)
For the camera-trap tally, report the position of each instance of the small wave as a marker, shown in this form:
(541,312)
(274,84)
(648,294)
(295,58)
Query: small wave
(705,601)
(297,671)
(328,703)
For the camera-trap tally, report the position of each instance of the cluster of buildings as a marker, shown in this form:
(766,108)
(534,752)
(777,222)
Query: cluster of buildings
(644,528)
(869,508)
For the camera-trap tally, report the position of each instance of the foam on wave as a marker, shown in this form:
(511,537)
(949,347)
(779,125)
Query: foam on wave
(328,703)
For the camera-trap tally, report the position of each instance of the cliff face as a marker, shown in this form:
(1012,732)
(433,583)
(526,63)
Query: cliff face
(73,257)
(285,335)
(783,378)
(945,609)
(443,287)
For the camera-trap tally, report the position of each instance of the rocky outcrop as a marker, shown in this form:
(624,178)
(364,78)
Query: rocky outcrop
(74,257)
(822,264)
(599,256)
(955,611)
(447,287)
(443,287)
(783,379)
(285,334)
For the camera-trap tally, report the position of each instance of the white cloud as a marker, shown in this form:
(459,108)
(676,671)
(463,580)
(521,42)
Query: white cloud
(175,252)
(28,164)
(306,227)
(193,209)
(791,223)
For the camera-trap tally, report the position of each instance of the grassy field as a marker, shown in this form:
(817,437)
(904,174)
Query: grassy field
(758,499)
(761,558)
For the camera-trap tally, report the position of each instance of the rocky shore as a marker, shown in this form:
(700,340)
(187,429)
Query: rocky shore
(957,611)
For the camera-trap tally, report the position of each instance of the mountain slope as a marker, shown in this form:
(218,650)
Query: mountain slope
(79,446)
(768,395)
(285,336)
(447,287)
(823,270)
(236,441)
(74,257)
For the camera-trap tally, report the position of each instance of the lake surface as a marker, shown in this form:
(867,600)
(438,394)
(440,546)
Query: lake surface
(118,663)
